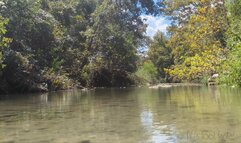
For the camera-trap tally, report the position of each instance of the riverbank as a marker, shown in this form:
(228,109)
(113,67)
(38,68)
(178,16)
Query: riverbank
(79,87)
(169,85)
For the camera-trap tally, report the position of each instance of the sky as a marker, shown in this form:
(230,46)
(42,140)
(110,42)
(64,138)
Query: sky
(155,24)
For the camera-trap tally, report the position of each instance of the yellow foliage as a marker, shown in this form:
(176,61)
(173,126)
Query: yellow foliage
(196,48)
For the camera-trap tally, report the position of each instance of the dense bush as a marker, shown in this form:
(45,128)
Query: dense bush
(148,72)
(231,68)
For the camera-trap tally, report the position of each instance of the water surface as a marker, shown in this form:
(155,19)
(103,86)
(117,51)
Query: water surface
(132,115)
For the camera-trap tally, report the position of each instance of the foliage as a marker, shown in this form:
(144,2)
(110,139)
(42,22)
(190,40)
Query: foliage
(113,40)
(3,40)
(197,41)
(58,43)
(49,44)
(231,69)
(160,54)
(148,72)
(57,81)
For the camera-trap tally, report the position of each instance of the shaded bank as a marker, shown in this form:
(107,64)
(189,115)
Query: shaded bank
(49,45)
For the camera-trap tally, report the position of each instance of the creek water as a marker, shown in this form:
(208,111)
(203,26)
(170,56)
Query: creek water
(132,115)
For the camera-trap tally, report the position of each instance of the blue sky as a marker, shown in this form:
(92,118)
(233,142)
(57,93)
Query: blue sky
(155,24)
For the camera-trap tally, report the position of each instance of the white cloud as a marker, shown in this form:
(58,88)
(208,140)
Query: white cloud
(155,24)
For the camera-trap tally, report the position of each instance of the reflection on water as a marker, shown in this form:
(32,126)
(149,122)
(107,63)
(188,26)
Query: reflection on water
(157,132)
(133,115)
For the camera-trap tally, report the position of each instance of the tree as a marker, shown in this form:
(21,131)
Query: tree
(82,41)
(160,54)
(231,69)
(113,40)
(33,52)
(148,71)
(197,39)
(3,41)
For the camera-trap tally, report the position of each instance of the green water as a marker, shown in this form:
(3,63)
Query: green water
(132,115)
